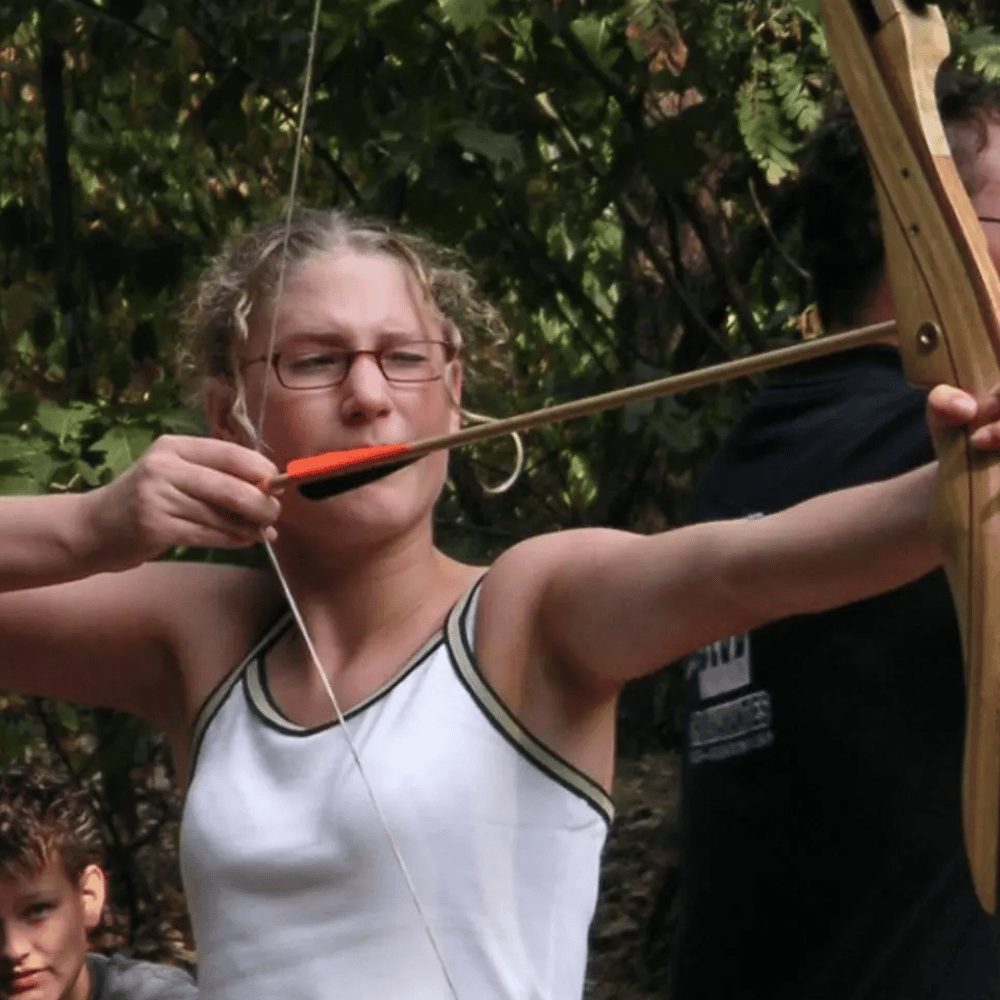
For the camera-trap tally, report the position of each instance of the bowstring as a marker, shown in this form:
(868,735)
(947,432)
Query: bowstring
(300,133)
(356,757)
(272,555)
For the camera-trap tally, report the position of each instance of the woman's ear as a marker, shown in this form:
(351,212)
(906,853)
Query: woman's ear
(453,381)
(93,887)
(218,397)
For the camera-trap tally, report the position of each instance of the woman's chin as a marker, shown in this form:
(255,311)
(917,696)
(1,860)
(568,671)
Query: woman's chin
(369,514)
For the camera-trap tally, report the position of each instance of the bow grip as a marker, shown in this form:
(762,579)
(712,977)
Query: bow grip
(946,295)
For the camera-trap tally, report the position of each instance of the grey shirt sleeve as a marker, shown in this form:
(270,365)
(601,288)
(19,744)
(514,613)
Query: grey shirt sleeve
(121,978)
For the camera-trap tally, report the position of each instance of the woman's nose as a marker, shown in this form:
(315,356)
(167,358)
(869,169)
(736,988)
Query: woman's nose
(365,390)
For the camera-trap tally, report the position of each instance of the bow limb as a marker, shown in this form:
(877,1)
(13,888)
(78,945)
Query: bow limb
(947,299)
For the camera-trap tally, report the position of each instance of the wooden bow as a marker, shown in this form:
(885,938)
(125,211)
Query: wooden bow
(947,299)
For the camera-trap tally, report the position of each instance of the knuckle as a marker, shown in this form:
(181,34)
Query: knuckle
(155,463)
(163,445)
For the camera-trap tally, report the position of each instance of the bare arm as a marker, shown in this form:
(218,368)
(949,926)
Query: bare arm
(184,491)
(44,540)
(133,640)
(81,616)
(612,606)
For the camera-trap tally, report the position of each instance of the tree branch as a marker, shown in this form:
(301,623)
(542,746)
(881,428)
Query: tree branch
(61,205)
(224,63)
(719,261)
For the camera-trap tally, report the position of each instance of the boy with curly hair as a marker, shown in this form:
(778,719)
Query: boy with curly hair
(52,891)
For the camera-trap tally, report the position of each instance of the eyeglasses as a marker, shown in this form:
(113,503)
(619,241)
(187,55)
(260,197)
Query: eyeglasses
(987,218)
(322,367)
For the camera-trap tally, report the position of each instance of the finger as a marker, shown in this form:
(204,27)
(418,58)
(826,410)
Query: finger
(190,510)
(989,407)
(197,535)
(221,491)
(217,528)
(217,472)
(987,437)
(950,407)
(226,456)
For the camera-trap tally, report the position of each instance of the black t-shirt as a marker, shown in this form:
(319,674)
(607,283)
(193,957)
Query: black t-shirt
(822,849)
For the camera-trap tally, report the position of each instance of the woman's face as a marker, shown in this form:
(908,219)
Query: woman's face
(358,302)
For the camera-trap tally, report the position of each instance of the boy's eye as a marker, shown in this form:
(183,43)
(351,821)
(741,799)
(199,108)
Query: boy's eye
(36,911)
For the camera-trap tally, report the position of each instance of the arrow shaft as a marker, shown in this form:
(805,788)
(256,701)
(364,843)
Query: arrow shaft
(671,385)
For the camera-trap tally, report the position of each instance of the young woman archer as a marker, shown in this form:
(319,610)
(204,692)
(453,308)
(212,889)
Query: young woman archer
(480,701)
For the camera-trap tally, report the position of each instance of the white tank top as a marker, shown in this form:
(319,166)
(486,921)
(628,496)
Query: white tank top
(292,886)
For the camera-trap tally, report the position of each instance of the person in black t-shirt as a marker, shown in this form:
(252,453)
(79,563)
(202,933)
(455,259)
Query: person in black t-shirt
(822,851)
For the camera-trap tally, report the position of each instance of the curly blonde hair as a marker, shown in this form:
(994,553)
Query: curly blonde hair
(246,274)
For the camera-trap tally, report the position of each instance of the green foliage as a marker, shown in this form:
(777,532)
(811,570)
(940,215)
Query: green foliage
(466,14)
(979,50)
(782,100)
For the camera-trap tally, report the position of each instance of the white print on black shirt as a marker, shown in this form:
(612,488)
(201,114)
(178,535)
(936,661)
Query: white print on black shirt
(722,667)
(739,724)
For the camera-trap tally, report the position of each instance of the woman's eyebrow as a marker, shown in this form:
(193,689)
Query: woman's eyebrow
(297,336)
(340,338)
(403,333)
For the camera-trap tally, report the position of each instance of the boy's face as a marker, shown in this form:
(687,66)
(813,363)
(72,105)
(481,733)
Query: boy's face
(44,920)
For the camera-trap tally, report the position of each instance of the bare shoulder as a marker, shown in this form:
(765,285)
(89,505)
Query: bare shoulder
(522,574)
(517,657)
(215,614)
(185,599)
(207,616)
(139,640)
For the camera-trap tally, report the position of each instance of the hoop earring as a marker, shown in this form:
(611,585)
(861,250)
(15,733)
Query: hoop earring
(481,418)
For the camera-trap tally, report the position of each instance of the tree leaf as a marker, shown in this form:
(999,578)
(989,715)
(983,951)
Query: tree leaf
(63,421)
(121,446)
(497,147)
(18,302)
(467,14)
